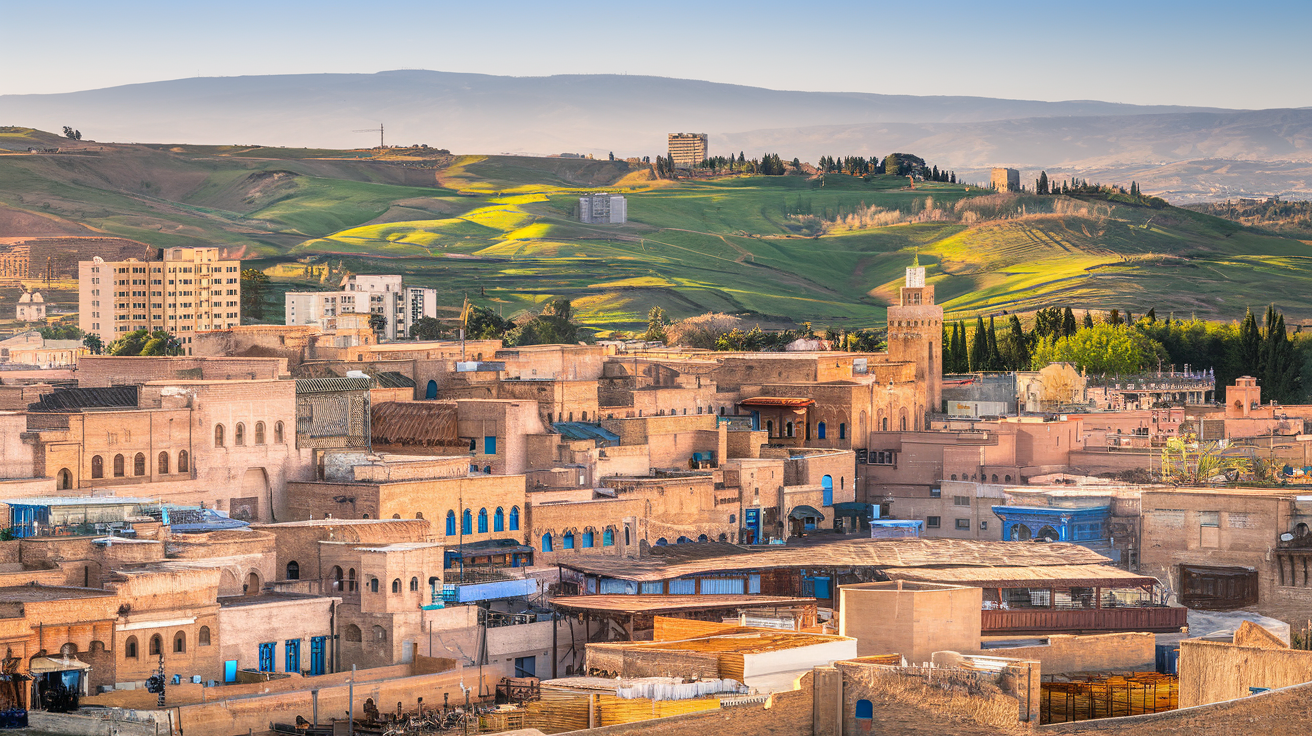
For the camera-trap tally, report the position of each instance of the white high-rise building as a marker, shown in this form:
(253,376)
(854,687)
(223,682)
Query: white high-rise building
(401,306)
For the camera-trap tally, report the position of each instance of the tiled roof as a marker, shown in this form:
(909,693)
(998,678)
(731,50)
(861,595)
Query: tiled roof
(420,423)
(331,385)
(72,399)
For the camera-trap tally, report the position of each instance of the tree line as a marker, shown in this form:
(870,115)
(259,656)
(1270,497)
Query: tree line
(1121,344)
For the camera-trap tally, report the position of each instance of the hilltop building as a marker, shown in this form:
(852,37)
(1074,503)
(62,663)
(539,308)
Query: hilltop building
(603,209)
(688,149)
(1006,180)
(31,307)
(189,291)
(401,306)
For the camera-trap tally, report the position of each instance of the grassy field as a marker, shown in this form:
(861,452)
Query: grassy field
(503,231)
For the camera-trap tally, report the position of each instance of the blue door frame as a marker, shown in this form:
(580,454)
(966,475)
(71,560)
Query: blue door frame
(318,646)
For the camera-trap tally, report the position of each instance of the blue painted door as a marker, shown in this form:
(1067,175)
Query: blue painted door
(752,522)
(827,488)
(292,662)
(822,587)
(230,671)
(431,391)
(266,656)
(318,645)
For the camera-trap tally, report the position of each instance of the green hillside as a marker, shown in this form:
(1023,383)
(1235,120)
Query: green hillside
(502,230)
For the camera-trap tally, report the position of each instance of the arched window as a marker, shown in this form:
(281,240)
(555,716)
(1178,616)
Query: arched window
(163,463)
(139,464)
(954,476)
(259,433)
(467,522)
(608,537)
(498,520)
(842,430)
(277,432)
(97,466)
(179,642)
(702,538)
(414,584)
(514,518)
(156,644)
(203,637)
(1007,479)
(352,632)
(995,477)
(482,521)
(885,421)
(865,710)
(380,634)
(65,479)
(396,586)
(396,516)
(820,431)
(118,466)
(373,585)
(293,570)
(130,648)
(350,580)
(419,514)
(184,462)
(588,539)
(662,542)
(682,540)
(567,541)
(451,523)
(239,434)
(546,542)
(904,424)
(218,435)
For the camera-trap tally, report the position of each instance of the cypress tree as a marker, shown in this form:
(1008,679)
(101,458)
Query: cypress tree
(1068,323)
(1250,346)
(1151,316)
(1042,187)
(1018,351)
(1114,318)
(1088,320)
(1129,318)
(979,347)
(995,357)
(962,359)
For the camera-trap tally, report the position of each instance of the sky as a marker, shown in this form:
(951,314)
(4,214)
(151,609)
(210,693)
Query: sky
(1220,54)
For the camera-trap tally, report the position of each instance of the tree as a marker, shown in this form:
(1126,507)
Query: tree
(655,325)
(1250,345)
(1114,319)
(891,164)
(554,326)
(427,328)
(1015,348)
(1280,368)
(1068,327)
(979,347)
(144,342)
(1152,315)
(93,343)
(1088,320)
(1041,187)
(61,332)
(254,284)
(377,323)
(481,323)
(995,356)
(1105,348)
(961,358)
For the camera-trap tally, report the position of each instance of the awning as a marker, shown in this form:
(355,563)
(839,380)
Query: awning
(42,665)
(852,508)
(805,512)
(1039,576)
(796,403)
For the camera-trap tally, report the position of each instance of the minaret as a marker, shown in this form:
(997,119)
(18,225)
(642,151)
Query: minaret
(915,331)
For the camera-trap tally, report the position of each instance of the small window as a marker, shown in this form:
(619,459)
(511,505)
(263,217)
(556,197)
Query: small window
(218,435)
(963,524)
(514,518)
(961,500)
(156,645)
(97,466)
(414,584)
(482,521)
(451,523)
(1209,518)
(983,525)
(184,462)
(352,632)
(163,463)
(118,466)
(277,432)
(139,464)
(499,520)
(396,586)
(546,542)
(239,434)
(130,648)
(373,585)
(259,433)
(293,570)
(489,445)
(932,522)
(203,637)
(937,492)
(380,634)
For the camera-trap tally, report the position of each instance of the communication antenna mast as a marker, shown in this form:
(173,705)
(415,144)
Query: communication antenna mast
(370,130)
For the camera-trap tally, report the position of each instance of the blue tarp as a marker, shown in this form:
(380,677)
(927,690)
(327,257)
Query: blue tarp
(586,431)
(495,590)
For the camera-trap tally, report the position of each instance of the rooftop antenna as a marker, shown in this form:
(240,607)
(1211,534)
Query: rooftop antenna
(370,130)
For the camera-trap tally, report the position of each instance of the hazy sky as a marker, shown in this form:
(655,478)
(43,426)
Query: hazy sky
(1227,54)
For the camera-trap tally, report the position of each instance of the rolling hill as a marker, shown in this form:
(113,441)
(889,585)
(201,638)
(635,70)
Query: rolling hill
(502,230)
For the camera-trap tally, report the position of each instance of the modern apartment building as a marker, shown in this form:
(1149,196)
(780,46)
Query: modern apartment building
(688,149)
(190,290)
(603,209)
(402,306)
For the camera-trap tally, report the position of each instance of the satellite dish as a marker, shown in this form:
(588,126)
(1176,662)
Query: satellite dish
(1286,537)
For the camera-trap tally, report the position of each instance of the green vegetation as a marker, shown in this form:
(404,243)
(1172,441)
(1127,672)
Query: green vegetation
(145,342)
(773,251)
(1292,219)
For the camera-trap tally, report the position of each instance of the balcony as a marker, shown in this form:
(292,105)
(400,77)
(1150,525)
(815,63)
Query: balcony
(1156,619)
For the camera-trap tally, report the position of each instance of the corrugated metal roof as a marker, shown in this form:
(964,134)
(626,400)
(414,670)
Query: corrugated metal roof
(585,431)
(73,399)
(392,379)
(1090,576)
(421,423)
(880,554)
(332,385)
(658,603)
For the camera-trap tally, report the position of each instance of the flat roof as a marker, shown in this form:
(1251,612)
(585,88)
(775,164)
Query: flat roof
(79,501)
(233,601)
(876,553)
(661,603)
(32,593)
(739,639)
(1088,576)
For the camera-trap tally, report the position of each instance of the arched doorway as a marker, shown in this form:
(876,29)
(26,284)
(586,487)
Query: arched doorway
(431,391)
(252,586)
(65,479)
(827,490)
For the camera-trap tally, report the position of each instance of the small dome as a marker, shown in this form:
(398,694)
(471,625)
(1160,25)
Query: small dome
(36,297)
(25,298)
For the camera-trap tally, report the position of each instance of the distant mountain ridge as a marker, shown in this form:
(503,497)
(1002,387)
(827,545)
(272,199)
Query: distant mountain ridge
(631,115)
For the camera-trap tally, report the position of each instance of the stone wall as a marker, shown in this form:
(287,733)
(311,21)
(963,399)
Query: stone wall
(1124,652)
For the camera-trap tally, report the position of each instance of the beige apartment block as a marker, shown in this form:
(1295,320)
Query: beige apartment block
(688,149)
(191,290)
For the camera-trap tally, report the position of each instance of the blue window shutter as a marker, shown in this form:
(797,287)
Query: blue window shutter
(499,520)
(489,445)
(514,518)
